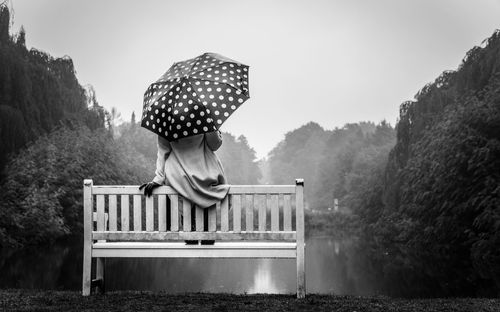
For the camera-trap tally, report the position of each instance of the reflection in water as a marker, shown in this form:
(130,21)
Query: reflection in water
(262,279)
(332,266)
(56,267)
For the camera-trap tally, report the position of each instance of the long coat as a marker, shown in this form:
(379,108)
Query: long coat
(190,166)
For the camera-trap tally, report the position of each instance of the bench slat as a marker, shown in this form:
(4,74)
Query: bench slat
(179,250)
(224,214)
(162,213)
(167,190)
(199,218)
(100,213)
(149,213)
(137,213)
(249,206)
(262,189)
(186,211)
(287,213)
(112,213)
(275,212)
(218,236)
(261,206)
(125,214)
(212,218)
(236,205)
(174,212)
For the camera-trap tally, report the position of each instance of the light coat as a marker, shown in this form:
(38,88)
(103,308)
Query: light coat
(190,166)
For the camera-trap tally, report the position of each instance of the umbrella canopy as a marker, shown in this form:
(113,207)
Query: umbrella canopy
(195,96)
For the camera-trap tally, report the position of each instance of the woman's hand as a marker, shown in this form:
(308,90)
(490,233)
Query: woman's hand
(148,188)
(214,140)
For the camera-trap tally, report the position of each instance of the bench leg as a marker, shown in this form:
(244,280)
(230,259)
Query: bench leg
(99,275)
(301,272)
(87,272)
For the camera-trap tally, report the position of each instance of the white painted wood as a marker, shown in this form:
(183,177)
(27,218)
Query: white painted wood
(186,211)
(299,216)
(287,213)
(129,190)
(100,213)
(181,250)
(249,207)
(171,236)
(125,213)
(87,237)
(234,189)
(94,216)
(261,189)
(182,245)
(149,214)
(99,273)
(224,214)
(252,243)
(162,213)
(236,205)
(212,218)
(137,213)
(174,213)
(260,203)
(195,253)
(199,219)
(112,225)
(275,213)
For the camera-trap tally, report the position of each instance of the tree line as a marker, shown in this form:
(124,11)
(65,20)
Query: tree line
(424,197)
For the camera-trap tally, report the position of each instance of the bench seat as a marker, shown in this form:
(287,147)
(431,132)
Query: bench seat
(181,250)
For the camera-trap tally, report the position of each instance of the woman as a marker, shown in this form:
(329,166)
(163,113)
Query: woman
(190,166)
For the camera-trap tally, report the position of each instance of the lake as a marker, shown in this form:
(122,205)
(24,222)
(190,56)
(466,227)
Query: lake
(332,267)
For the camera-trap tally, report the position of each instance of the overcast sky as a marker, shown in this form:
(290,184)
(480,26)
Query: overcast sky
(331,62)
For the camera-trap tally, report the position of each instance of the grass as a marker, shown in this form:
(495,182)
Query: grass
(32,300)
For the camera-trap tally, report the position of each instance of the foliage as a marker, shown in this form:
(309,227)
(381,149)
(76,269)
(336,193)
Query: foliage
(437,227)
(297,156)
(350,163)
(335,164)
(41,197)
(37,92)
(238,160)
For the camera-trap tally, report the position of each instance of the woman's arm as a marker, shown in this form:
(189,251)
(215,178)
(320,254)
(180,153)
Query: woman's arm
(164,150)
(214,140)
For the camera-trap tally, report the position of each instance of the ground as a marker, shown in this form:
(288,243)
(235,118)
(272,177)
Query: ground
(31,300)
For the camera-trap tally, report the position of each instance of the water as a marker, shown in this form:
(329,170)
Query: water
(332,266)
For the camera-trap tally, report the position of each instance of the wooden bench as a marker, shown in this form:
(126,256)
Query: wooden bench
(116,225)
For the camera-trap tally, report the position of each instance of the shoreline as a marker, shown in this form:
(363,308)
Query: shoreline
(52,300)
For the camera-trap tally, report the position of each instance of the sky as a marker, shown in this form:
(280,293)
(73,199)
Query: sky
(331,62)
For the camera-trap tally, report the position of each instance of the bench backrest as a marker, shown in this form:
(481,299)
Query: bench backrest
(249,212)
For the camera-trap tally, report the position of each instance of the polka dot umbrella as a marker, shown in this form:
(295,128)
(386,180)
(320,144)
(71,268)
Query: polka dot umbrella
(195,96)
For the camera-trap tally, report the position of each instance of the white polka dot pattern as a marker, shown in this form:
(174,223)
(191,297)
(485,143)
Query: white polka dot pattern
(195,96)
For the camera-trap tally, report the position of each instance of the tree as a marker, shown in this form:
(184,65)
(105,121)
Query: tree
(21,37)
(132,119)
(4,23)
